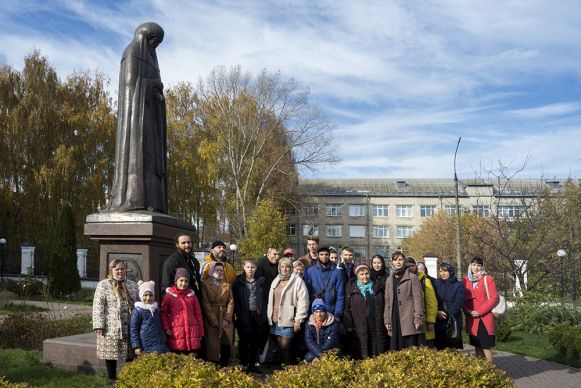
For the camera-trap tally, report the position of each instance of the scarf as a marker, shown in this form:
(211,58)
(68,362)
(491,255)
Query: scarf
(365,288)
(284,277)
(376,275)
(399,272)
(151,307)
(475,278)
(217,281)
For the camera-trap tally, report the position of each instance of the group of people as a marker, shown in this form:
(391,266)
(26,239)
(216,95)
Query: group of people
(296,308)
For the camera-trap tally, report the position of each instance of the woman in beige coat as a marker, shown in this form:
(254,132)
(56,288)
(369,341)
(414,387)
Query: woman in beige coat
(404,306)
(288,305)
(218,307)
(112,306)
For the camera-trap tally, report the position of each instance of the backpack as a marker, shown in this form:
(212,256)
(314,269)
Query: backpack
(499,310)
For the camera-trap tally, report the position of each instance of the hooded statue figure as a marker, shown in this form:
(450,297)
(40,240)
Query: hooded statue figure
(140,180)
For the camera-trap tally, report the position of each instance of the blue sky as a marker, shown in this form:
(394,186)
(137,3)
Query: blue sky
(402,80)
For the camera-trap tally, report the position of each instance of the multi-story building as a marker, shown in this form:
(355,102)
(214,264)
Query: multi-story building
(375,215)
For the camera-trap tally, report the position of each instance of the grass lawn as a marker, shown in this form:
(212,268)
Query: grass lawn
(26,366)
(537,346)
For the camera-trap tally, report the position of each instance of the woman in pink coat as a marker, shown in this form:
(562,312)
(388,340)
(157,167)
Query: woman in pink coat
(478,305)
(181,317)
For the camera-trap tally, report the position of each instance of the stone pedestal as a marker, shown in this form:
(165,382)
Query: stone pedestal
(77,353)
(143,239)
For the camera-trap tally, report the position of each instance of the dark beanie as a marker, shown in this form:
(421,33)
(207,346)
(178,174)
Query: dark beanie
(181,273)
(218,243)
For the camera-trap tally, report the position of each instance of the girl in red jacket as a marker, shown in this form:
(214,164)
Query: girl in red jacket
(481,297)
(181,317)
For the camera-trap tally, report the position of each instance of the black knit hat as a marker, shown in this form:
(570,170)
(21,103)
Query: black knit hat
(218,243)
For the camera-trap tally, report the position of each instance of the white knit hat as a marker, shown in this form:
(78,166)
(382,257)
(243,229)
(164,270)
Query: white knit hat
(146,286)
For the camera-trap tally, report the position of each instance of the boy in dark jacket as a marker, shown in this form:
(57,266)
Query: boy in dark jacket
(250,299)
(147,336)
(322,332)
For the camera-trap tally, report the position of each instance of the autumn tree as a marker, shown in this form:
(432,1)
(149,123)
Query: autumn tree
(193,175)
(266,228)
(264,131)
(56,142)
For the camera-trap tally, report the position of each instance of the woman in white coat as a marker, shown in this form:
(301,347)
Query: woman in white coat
(288,305)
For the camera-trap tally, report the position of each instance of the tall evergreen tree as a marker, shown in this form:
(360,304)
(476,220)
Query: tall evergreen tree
(65,275)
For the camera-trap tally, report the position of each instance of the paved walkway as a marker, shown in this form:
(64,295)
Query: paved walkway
(57,310)
(532,372)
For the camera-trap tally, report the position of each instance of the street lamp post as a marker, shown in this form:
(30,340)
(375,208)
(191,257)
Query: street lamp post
(2,244)
(562,254)
(458,247)
(233,248)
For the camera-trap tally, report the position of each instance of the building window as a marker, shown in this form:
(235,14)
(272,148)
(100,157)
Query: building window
(450,210)
(333,231)
(356,210)
(333,210)
(427,210)
(483,211)
(509,211)
(310,230)
(360,251)
(311,209)
(291,229)
(383,251)
(404,231)
(380,231)
(380,210)
(403,211)
(356,230)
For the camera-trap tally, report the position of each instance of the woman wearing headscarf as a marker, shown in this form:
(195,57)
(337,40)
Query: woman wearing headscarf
(430,300)
(481,297)
(404,306)
(364,314)
(378,270)
(451,293)
(288,305)
(112,306)
(218,305)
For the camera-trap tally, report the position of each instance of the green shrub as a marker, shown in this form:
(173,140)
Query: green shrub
(415,367)
(329,371)
(173,370)
(28,331)
(566,339)
(503,330)
(539,317)
(424,367)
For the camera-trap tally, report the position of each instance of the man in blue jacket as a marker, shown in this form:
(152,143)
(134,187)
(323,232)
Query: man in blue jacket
(325,281)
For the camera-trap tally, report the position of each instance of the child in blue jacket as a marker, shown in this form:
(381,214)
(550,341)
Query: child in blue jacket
(147,336)
(322,331)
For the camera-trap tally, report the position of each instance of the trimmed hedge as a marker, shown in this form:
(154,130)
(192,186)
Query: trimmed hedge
(178,370)
(415,367)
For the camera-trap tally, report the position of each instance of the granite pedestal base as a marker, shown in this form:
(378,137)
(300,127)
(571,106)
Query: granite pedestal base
(77,353)
(142,239)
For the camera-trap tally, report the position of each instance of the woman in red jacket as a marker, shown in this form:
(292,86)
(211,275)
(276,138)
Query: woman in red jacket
(481,297)
(181,317)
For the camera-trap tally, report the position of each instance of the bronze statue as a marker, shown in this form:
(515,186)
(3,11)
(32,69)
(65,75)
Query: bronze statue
(140,180)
